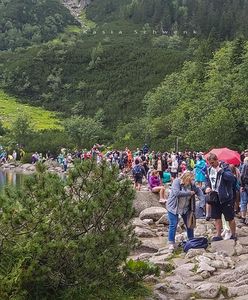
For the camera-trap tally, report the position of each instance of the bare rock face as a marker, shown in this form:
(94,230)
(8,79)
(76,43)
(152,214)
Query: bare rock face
(76,7)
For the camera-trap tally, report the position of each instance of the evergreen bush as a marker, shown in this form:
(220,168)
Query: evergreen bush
(65,239)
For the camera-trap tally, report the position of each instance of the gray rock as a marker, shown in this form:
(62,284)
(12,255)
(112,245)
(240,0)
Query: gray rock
(226,246)
(208,290)
(145,199)
(238,291)
(154,213)
(194,252)
(148,221)
(243,240)
(162,262)
(138,222)
(150,245)
(163,220)
(159,296)
(203,266)
(185,270)
(143,232)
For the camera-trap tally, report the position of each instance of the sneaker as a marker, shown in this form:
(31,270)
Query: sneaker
(217,238)
(223,233)
(171,247)
(233,238)
(228,235)
(208,218)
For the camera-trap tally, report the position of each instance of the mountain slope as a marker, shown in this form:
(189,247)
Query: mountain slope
(27,22)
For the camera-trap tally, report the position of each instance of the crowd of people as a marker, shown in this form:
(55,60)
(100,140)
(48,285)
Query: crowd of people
(221,188)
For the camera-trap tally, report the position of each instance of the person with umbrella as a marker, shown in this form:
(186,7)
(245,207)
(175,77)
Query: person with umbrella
(219,190)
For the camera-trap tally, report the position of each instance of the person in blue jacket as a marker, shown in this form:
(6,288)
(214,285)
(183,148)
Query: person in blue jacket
(200,170)
(219,185)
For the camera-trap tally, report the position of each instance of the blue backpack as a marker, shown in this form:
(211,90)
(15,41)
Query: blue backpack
(195,243)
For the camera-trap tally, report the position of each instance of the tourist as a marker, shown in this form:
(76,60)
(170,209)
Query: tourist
(219,188)
(138,172)
(156,185)
(244,191)
(178,203)
(200,170)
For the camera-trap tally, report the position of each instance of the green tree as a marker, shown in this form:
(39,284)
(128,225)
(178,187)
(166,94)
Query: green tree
(83,131)
(65,239)
(21,130)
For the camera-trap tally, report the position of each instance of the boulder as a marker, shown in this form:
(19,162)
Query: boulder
(154,213)
(145,199)
(208,290)
(163,220)
(225,246)
(194,252)
(185,270)
(143,232)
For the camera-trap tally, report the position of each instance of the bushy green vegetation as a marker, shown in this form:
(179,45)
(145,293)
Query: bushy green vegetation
(224,18)
(68,240)
(27,22)
(82,74)
(40,118)
(205,105)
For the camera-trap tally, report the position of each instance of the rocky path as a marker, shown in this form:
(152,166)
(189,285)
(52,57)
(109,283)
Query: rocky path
(220,272)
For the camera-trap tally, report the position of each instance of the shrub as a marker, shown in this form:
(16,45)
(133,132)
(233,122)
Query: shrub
(65,239)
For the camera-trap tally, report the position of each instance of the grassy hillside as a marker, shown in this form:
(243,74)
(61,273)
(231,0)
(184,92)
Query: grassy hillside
(40,118)
(83,73)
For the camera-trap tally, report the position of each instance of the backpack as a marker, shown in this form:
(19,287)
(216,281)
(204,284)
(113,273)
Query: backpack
(195,243)
(137,170)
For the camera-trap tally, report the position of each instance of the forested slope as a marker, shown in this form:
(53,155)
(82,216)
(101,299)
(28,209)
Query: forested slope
(25,22)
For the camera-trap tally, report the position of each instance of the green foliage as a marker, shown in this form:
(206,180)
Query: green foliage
(27,158)
(91,72)
(83,132)
(205,106)
(41,119)
(135,271)
(27,22)
(225,18)
(65,239)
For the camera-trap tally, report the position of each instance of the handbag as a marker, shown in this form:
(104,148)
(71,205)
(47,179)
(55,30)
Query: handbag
(212,198)
(191,218)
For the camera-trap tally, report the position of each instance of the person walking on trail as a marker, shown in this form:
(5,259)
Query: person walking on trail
(178,203)
(219,188)
(138,173)
(244,191)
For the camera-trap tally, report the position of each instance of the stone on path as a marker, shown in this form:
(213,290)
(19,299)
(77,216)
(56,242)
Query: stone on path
(208,290)
(145,199)
(154,213)
(225,246)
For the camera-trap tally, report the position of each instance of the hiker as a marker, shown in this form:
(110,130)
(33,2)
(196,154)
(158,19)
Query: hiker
(244,191)
(138,172)
(156,185)
(178,203)
(200,170)
(219,188)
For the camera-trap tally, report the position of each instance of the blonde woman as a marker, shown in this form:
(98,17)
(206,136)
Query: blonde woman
(178,203)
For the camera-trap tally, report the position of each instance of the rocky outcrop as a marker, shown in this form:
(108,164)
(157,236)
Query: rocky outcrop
(219,272)
(76,7)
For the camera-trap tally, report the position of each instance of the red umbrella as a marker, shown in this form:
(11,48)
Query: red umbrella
(227,155)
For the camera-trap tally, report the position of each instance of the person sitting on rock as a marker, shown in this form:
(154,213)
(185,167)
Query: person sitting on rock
(178,203)
(156,185)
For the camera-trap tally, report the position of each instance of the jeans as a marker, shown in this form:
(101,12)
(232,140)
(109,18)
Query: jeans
(173,221)
(243,201)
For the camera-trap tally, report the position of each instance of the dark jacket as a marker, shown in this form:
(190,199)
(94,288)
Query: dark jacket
(226,182)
